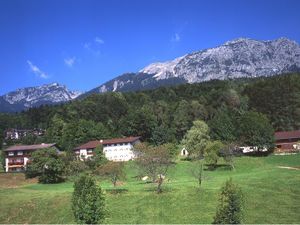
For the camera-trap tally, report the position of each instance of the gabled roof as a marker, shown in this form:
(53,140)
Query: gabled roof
(281,135)
(29,147)
(94,144)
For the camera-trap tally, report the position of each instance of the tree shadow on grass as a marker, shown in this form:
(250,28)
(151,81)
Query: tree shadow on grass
(117,191)
(210,167)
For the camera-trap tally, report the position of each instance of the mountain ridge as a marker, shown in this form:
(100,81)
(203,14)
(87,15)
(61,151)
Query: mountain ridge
(241,57)
(25,98)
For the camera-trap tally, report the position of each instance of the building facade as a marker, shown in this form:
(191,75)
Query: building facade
(287,141)
(17,134)
(17,157)
(117,149)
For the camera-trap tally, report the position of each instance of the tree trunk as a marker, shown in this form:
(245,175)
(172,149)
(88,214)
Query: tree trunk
(160,181)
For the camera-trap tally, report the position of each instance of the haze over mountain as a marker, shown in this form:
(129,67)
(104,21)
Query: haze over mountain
(238,58)
(25,98)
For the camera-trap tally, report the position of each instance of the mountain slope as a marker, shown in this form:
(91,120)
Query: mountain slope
(25,98)
(242,57)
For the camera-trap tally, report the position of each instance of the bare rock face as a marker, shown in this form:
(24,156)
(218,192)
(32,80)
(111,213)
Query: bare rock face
(238,58)
(25,98)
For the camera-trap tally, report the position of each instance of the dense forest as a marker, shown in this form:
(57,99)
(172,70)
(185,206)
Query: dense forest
(165,114)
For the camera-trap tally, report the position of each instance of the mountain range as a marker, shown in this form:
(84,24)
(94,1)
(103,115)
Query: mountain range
(24,98)
(242,57)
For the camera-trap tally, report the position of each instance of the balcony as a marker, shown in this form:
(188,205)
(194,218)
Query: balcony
(15,163)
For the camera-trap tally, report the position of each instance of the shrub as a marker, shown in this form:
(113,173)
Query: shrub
(88,202)
(229,210)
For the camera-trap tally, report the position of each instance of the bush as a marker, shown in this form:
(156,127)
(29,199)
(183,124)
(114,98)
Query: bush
(229,210)
(88,202)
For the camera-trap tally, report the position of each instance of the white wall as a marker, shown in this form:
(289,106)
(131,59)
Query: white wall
(113,152)
(119,152)
(6,164)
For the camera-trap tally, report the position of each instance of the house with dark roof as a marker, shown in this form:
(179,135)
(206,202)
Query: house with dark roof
(17,156)
(287,141)
(117,149)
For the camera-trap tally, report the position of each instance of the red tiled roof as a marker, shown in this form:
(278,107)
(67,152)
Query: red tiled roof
(94,144)
(29,147)
(287,134)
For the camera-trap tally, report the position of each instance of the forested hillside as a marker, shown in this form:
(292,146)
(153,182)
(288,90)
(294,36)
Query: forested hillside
(165,114)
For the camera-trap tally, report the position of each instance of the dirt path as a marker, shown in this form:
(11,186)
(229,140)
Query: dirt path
(289,168)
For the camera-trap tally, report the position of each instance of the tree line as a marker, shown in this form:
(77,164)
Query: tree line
(165,114)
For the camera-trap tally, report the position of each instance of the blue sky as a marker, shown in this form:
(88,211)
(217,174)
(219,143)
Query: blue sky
(84,43)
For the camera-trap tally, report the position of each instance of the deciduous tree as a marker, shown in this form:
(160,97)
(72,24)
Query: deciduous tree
(256,130)
(211,153)
(47,165)
(113,170)
(196,139)
(154,161)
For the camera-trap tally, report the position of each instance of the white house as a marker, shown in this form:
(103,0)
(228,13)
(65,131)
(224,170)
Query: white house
(117,149)
(248,149)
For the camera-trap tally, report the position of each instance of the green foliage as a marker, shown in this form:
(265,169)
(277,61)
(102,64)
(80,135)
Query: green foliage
(229,210)
(197,138)
(2,160)
(256,130)
(55,131)
(278,98)
(162,135)
(211,153)
(222,126)
(75,167)
(47,165)
(88,202)
(182,119)
(29,139)
(98,159)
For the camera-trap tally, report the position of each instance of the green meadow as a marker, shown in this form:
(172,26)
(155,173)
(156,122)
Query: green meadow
(271,195)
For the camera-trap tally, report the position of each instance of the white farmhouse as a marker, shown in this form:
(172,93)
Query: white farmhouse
(117,149)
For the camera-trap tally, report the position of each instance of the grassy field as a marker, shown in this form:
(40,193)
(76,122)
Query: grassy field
(272,195)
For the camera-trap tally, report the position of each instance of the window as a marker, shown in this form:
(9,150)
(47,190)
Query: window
(20,153)
(10,153)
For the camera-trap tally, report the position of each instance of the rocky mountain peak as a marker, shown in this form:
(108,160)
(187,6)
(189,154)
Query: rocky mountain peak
(24,98)
(241,57)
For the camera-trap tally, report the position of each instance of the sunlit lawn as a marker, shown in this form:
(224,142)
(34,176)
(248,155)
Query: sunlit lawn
(272,195)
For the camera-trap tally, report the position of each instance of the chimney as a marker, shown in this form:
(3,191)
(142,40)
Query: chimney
(101,141)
